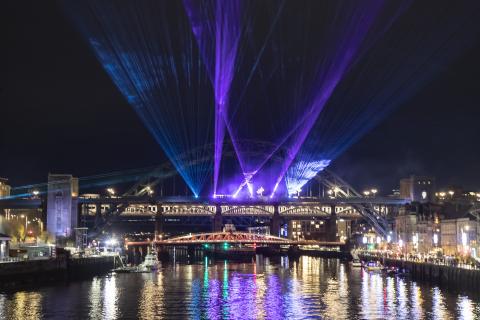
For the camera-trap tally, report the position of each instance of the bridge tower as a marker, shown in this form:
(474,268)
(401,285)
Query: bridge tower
(62,205)
(275,222)
(159,223)
(332,225)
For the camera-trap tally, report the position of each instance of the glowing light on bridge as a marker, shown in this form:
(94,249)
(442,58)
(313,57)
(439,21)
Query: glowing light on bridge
(302,172)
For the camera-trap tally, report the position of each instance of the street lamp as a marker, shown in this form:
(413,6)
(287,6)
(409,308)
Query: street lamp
(26,223)
(35,193)
(111,191)
(451,193)
(149,190)
(374,191)
(415,241)
(366,193)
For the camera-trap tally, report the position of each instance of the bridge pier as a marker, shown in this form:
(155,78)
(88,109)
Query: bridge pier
(332,226)
(98,214)
(275,223)
(217,220)
(159,224)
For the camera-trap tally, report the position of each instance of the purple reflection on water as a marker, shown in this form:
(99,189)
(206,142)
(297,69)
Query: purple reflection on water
(273,300)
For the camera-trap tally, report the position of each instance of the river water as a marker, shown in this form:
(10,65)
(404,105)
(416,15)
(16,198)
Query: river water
(309,288)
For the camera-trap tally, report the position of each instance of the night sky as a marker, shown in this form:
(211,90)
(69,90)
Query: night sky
(61,113)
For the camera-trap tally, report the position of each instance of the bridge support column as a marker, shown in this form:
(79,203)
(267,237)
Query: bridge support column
(332,226)
(159,222)
(98,214)
(217,221)
(275,223)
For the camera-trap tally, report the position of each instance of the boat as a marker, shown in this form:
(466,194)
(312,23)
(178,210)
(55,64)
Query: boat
(125,269)
(150,263)
(373,266)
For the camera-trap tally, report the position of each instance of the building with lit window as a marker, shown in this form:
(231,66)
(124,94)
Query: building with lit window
(406,228)
(460,235)
(322,230)
(417,189)
(307,229)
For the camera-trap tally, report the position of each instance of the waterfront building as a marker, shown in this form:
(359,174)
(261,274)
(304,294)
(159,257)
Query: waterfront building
(322,230)
(307,229)
(460,235)
(406,228)
(428,230)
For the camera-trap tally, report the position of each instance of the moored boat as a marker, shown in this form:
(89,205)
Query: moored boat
(373,266)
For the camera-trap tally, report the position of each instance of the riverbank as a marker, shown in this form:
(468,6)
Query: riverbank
(54,269)
(448,276)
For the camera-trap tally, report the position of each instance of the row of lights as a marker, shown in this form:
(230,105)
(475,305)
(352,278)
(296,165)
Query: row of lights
(371,192)
(443,194)
(367,193)
(111,191)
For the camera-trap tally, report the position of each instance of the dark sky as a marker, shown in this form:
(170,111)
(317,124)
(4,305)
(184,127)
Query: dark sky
(61,113)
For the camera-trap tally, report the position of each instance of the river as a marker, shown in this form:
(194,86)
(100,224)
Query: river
(275,288)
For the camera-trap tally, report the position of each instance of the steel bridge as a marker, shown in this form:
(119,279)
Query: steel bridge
(345,203)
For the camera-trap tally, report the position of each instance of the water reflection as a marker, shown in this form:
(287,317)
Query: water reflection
(261,289)
(439,308)
(21,305)
(103,303)
(151,302)
(465,308)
